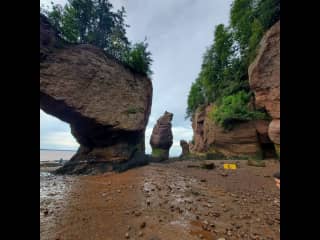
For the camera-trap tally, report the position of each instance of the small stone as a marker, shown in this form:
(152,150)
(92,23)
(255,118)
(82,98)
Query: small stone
(137,214)
(127,235)
(119,191)
(142,225)
(221,239)
(148,202)
(140,234)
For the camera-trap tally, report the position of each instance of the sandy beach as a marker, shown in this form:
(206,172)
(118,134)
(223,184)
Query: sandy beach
(163,201)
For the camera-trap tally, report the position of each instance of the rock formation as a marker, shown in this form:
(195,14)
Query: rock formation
(106,104)
(242,140)
(253,138)
(185,148)
(161,138)
(264,79)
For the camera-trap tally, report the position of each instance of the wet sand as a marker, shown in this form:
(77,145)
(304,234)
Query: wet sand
(163,201)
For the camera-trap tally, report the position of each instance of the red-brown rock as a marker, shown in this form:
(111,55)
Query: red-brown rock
(185,148)
(106,104)
(264,73)
(274,131)
(242,140)
(161,138)
(264,79)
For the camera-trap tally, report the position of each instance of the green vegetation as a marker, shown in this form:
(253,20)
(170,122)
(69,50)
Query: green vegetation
(256,163)
(235,108)
(223,78)
(134,110)
(159,153)
(94,22)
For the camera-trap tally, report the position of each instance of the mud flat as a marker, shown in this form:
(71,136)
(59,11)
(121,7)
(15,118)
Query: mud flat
(163,201)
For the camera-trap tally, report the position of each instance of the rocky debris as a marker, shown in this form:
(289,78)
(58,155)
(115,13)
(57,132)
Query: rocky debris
(161,138)
(106,104)
(143,225)
(207,165)
(212,213)
(255,163)
(185,148)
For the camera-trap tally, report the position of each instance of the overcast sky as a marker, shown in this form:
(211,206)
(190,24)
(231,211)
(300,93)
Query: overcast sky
(178,32)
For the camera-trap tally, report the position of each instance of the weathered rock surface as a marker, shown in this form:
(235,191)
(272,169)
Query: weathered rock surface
(274,131)
(264,78)
(248,139)
(185,148)
(161,138)
(106,104)
(242,140)
(259,137)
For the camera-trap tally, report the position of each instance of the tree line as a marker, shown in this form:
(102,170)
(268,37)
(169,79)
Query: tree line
(94,22)
(223,78)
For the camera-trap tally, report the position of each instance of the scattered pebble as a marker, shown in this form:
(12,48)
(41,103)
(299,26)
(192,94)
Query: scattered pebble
(142,225)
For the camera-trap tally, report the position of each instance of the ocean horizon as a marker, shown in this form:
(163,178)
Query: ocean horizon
(55,154)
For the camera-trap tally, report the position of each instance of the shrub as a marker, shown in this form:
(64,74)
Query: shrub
(139,59)
(233,109)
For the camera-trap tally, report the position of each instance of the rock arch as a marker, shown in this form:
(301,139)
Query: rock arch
(106,104)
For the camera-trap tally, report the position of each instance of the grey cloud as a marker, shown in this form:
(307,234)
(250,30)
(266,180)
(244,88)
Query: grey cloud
(178,32)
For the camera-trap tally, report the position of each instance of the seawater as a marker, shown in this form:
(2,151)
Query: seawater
(54,155)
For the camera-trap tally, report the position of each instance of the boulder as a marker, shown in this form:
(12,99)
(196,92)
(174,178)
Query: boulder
(161,138)
(106,103)
(274,131)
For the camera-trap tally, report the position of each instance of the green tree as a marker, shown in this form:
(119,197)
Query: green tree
(235,108)
(195,98)
(139,58)
(223,78)
(95,22)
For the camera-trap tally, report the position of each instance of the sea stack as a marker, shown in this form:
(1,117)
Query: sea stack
(106,104)
(161,138)
(185,148)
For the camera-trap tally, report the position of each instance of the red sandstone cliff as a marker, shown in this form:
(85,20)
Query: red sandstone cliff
(252,138)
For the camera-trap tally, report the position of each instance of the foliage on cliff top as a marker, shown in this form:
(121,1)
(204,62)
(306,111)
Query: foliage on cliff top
(235,108)
(94,22)
(224,70)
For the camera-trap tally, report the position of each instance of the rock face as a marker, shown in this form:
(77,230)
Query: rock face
(264,79)
(242,140)
(251,138)
(106,104)
(161,138)
(185,148)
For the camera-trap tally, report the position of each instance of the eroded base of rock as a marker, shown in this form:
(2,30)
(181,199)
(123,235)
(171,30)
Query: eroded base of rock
(159,154)
(85,164)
